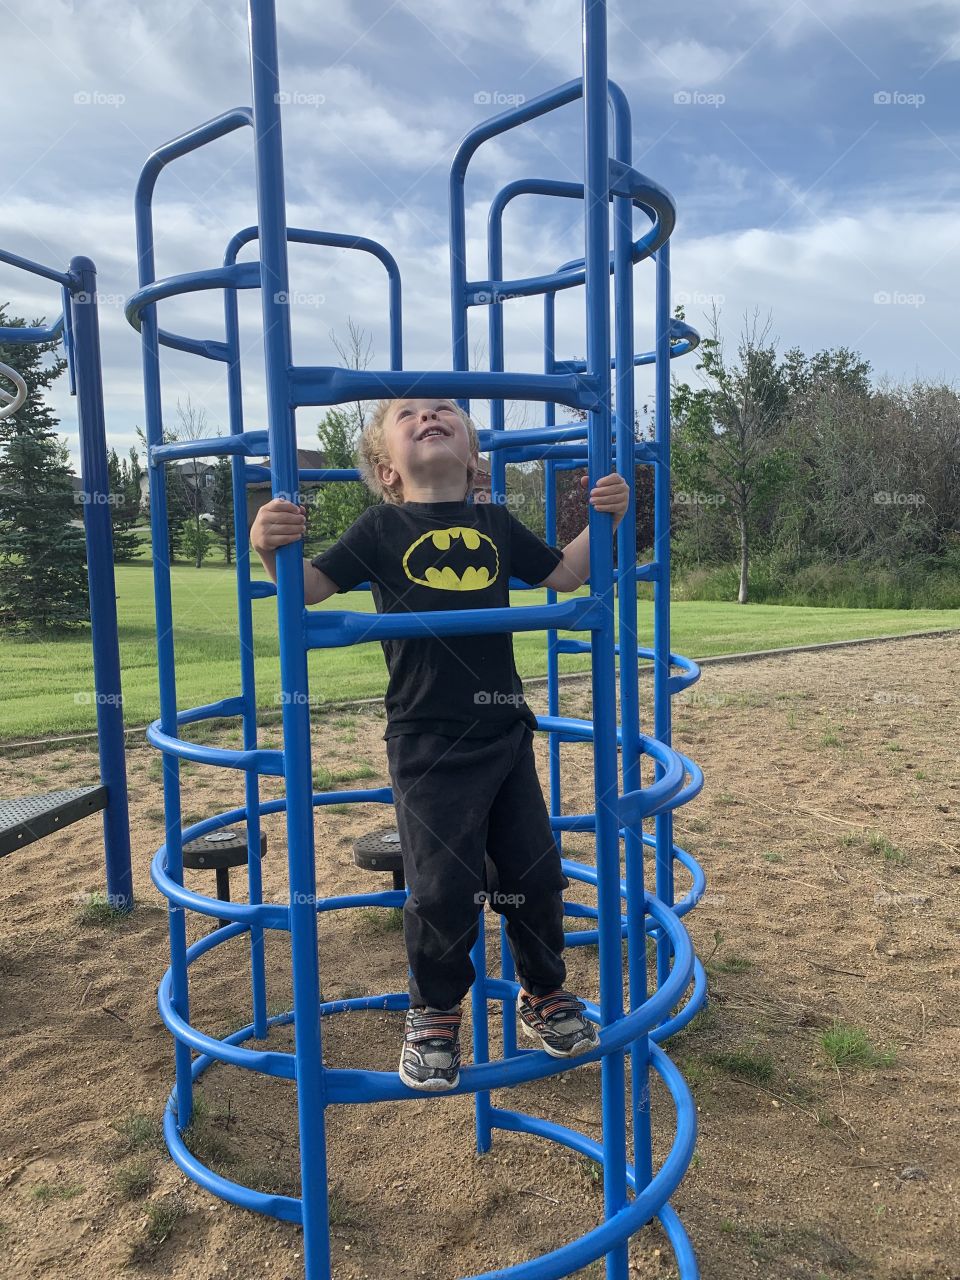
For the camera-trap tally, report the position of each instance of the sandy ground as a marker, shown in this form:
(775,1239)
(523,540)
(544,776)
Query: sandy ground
(830,833)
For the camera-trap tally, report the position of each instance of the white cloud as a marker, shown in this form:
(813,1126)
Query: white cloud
(848,280)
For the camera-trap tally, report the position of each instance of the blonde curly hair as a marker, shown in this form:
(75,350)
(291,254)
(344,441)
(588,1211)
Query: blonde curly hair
(373,449)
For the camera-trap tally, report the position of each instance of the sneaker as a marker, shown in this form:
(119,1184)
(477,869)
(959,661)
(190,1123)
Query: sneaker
(430,1058)
(557,1020)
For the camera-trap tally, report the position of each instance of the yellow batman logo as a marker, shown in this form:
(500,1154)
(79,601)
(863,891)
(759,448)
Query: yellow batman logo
(454,559)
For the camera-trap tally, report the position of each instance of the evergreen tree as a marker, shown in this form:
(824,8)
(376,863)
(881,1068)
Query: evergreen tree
(125,541)
(180,498)
(135,475)
(197,540)
(338,503)
(179,508)
(43,581)
(221,500)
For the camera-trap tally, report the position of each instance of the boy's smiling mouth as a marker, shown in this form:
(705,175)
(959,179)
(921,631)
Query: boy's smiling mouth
(429,432)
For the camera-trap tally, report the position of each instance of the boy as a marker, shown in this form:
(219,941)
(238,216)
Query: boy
(471,816)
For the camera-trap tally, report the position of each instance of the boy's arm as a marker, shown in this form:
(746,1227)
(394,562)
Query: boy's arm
(317,587)
(610,494)
(278,523)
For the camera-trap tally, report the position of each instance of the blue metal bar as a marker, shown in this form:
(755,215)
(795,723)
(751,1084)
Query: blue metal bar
(336,240)
(661,587)
(597,255)
(69,343)
(37,269)
(550,434)
(242,275)
(494,291)
(78,326)
(247,444)
(248,684)
(20,336)
(681,344)
(257,475)
(271,220)
(192,140)
(492,128)
(150,347)
(573,453)
(100,576)
(627,647)
(330,385)
(333,628)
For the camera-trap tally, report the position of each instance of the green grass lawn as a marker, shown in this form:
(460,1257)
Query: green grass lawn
(48,686)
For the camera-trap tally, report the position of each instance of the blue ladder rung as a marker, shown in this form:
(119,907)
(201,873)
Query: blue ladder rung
(331,629)
(245,443)
(327,385)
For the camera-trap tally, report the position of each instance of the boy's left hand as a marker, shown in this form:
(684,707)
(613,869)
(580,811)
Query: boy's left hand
(610,493)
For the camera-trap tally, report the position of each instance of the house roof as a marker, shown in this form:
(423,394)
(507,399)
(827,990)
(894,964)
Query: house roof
(307,460)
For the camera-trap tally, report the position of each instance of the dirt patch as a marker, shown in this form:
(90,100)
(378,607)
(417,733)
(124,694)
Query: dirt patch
(825,1069)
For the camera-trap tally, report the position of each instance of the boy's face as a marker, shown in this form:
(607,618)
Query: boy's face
(428,446)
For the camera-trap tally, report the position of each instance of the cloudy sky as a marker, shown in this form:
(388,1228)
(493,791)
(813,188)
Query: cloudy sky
(813,150)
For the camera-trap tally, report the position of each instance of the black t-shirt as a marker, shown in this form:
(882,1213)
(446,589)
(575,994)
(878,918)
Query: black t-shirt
(419,556)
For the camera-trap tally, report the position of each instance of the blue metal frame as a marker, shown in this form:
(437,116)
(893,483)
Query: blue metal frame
(78,328)
(635,1021)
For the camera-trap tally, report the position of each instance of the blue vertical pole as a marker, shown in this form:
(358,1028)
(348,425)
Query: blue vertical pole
(458,275)
(597,258)
(248,686)
(166,662)
(662,725)
(498,466)
(481,1034)
(550,474)
(627,602)
(83,329)
(274,292)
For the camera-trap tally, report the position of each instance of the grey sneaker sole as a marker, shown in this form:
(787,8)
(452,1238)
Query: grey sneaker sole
(433,1085)
(581,1046)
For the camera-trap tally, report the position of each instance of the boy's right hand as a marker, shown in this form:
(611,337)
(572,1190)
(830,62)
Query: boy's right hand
(277,523)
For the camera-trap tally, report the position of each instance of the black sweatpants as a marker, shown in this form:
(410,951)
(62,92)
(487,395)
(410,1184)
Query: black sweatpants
(474,827)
